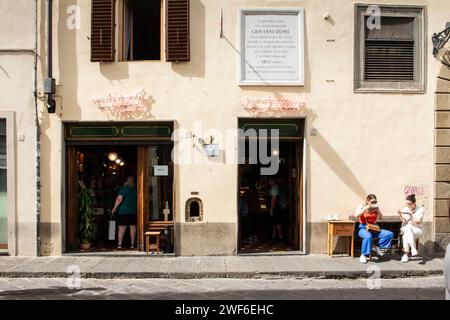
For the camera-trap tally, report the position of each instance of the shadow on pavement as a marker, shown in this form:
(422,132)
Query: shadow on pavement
(46,291)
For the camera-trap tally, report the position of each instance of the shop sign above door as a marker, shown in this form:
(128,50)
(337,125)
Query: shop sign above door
(272,47)
(122,103)
(273,104)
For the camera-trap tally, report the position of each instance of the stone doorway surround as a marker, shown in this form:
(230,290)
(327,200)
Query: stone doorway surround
(442,154)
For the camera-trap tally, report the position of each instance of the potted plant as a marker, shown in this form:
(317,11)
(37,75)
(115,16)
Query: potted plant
(88,227)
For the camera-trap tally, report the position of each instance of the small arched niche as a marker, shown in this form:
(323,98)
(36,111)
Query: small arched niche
(194,210)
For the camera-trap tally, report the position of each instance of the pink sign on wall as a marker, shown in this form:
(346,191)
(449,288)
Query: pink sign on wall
(122,103)
(421,192)
(273,104)
(417,190)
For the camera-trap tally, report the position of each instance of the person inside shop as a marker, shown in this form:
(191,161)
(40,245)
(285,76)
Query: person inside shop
(253,207)
(275,212)
(369,213)
(243,210)
(412,228)
(126,208)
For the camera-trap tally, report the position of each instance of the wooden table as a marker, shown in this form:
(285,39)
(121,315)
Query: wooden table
(343,228)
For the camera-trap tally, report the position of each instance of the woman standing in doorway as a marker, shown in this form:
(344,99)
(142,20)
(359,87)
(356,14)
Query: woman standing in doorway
(368,214)
(412,228)
(126,208)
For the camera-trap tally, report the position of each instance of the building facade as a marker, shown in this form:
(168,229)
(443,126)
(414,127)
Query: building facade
(18,129)
(159,90)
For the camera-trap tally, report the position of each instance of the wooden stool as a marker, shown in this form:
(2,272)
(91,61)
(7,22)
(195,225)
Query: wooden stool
(148,236)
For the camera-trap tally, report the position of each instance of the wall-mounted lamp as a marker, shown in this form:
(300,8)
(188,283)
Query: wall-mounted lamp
(440,39)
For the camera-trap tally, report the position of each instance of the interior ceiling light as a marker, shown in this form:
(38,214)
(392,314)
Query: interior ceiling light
(112,156)
(118,160)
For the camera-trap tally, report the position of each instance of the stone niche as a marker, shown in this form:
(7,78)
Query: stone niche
(194,210)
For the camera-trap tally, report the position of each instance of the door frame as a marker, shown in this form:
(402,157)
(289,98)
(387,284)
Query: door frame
(73,143)
(142,184)
(9,116)
(302,181)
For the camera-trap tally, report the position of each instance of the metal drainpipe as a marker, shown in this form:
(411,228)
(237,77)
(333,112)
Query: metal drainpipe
(38,140)
(49,83)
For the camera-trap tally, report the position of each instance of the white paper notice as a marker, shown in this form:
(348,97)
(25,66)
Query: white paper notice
(161,171)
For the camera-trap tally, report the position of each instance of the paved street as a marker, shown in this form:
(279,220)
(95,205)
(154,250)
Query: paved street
(235,289)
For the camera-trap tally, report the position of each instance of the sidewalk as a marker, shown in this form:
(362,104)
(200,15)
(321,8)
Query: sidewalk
(129,267)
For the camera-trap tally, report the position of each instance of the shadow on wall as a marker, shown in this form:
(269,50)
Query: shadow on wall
(196,66)
(115,71)
(68,62)
(326,152)
(337,164)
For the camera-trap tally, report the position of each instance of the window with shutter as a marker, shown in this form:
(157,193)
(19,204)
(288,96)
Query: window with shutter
(389,56)
(102,31)
(177,31)
(389,51)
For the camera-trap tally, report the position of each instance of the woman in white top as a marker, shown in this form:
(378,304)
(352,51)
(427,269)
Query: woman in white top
(412,229)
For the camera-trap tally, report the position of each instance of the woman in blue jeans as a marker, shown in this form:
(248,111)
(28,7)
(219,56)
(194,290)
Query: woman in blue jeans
(369,213)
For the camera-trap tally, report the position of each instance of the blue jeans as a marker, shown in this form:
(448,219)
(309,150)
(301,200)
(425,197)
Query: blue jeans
(384,239)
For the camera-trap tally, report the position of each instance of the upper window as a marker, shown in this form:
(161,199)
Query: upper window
(389,49)
(141,35)
(140,30)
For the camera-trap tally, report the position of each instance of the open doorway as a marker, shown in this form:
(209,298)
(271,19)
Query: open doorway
(271,204)
(101,156)
(3,190)
(104,169)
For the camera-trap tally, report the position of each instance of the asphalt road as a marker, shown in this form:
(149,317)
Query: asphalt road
(430,288)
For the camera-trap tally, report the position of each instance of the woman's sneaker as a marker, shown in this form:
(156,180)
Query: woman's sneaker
(405,258)
(414,252)
(363,259)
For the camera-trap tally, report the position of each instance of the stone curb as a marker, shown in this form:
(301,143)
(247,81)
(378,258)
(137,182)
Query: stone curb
(385,274)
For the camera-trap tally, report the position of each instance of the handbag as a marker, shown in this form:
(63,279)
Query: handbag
(112,229)
(373,227)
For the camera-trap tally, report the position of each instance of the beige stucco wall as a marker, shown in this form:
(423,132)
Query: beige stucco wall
(18,40)
(366,143)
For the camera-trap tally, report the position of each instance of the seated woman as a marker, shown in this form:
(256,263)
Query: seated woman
(369,213)
(412,229)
